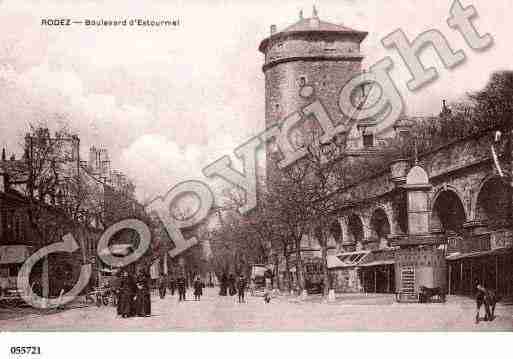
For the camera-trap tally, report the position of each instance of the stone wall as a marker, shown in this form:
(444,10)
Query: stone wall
(326,77)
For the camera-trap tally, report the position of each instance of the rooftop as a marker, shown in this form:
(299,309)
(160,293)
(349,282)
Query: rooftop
(312,25)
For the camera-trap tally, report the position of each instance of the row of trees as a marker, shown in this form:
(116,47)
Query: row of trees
(299,201)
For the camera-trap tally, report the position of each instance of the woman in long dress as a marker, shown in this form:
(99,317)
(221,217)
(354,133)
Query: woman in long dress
(127,292)
(143,298)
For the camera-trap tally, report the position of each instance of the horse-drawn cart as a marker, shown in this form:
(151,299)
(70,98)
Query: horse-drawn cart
(424,295)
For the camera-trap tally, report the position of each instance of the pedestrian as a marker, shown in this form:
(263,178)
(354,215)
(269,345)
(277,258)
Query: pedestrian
(180,283)
(127,293)
(161,283)
(480,301)
(143,296)
(241,287)
(172,285)
(198,288)
(224,285)
(231,284)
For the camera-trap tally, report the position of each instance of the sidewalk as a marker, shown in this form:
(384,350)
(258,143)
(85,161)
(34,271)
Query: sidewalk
(384,299)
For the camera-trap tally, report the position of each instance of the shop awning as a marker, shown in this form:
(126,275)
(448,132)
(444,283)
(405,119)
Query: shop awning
(498,251)
(346,259)
(378,263)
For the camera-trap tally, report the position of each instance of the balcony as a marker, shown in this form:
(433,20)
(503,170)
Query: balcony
(475,243)
(405,240)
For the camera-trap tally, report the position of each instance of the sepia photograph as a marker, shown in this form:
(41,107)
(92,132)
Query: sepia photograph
(254,166)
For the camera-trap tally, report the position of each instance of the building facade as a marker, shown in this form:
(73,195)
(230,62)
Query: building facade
(442,219)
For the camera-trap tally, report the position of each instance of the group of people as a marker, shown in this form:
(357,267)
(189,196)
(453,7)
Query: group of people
(179,284)
(488,299)
(230,285)
(134,295)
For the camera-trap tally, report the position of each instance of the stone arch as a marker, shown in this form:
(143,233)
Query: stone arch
(380,226)
(355,229)
(448,211)
(492,203)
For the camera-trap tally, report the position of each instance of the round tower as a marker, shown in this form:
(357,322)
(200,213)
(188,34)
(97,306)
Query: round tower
(311,59)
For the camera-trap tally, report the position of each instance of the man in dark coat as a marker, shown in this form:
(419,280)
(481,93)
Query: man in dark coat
(231,284)
(143,297)
(127,292)
(241,287)
(162,284)
(172,285)
(198,288)
(180,283)
(224,285)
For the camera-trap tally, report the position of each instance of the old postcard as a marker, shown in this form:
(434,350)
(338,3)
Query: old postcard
(255,166)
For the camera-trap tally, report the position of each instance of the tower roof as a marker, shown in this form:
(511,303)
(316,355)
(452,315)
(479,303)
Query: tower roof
(314,25)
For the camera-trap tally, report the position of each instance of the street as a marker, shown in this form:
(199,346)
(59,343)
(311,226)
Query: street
(350,312)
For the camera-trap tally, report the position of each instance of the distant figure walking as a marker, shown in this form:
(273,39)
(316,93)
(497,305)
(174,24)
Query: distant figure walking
(231,284)
(172,285)
(198,288)
(162,284)
(180,283)
(224,285)
(241,288)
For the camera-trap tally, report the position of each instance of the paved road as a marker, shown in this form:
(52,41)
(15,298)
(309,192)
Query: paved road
(214,313)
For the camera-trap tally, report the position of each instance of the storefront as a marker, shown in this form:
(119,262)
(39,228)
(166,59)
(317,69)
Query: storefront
(493,269)
(377,273)
(344,273)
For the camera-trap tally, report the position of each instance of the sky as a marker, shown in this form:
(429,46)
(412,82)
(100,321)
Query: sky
(168,101)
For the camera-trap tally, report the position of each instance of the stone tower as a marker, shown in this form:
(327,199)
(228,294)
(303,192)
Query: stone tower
(311,59)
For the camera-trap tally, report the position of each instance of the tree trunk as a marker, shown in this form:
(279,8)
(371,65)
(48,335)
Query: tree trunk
(287,267)
(325,275)
(299,266)
(277,271)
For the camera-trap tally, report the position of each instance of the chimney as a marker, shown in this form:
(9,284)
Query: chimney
(301,14)
(314,21)
(4,157)
(273,29)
